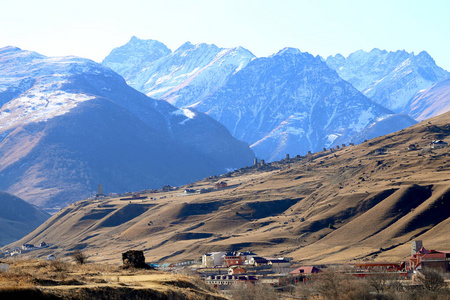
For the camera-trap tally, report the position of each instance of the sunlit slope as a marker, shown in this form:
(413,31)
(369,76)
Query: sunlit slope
(359,202)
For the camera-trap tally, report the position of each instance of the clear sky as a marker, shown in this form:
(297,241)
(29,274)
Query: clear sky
(92,28)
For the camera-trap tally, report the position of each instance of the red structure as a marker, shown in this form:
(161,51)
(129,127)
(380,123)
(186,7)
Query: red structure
(429,259)
(377,268)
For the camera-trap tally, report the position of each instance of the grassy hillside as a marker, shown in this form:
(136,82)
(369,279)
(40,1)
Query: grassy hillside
(62,280)
(356,203)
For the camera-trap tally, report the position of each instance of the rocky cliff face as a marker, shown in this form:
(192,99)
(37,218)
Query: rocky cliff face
(68,124)
(292,102)
(183,77)
(388,78)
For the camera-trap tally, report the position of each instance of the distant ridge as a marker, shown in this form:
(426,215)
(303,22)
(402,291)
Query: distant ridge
(17,218)
(388,78)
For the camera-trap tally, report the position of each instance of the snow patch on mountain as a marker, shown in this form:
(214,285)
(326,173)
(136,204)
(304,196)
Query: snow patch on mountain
(38,106)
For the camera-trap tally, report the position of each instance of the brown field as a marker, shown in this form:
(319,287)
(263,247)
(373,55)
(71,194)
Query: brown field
(57,279)
(363,202)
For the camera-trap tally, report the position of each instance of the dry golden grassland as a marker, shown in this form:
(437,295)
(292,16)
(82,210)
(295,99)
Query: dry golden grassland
(66,280)
(357,203)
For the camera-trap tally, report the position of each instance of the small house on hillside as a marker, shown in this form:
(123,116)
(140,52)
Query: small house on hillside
(438,144)
(27,247)
(167,188)
(413,147)
(221,185)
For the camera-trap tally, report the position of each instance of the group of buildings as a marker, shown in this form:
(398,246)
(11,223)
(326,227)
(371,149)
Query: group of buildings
(222,269)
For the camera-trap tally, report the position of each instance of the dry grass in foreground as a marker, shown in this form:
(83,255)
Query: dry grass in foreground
(57,279)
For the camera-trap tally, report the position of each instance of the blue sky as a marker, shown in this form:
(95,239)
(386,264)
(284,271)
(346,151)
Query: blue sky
(325,27)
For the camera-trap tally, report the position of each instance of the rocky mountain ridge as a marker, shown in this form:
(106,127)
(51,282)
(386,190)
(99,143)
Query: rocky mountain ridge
(388,78)
(183,77)
(267,107)
(292,103)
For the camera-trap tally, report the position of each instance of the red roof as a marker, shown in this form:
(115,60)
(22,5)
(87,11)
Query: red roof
(433,255)
(306,270)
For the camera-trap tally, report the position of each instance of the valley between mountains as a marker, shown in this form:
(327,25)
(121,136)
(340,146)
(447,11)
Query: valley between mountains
(362,202)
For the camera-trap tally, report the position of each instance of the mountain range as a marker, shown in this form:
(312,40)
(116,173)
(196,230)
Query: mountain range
(183,77)
(287,103)
(389,78)
(292,102)
(68,124)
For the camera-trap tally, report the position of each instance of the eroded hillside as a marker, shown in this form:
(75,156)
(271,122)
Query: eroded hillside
(358,202)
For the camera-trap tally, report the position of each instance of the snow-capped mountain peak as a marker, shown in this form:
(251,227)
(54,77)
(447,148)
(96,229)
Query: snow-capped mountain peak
(187,75)
(291,102)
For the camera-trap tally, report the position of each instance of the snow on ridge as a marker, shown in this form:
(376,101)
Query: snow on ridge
(41,102)
(185,112)
(38,106)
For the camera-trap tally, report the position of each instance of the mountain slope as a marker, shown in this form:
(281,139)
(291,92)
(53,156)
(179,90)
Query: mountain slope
(18,218)
(363,202)
(183,77)
(389,78)
(430,102)
(291,102)
(68,124)
(129,59)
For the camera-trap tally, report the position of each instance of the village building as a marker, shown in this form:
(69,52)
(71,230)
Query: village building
(413,147)
(278,262)
(167,188)
(27,247)
(221,185)
(258,261)
(306,270)
(213,259)
(236,270)
(438,144)
(237,258)
(429,260)
(222,281)
(167,266)
(212,271)
(305,274)
(375,268)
